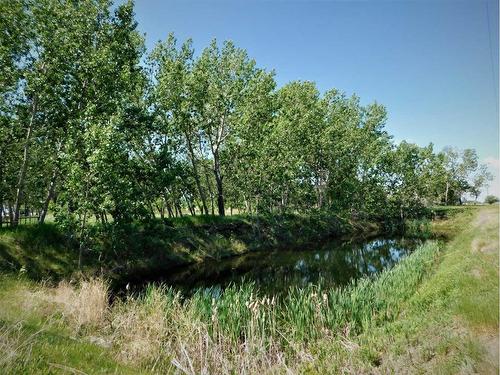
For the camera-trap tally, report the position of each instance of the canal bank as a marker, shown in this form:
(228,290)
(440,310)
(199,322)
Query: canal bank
(436,311)
(50,252)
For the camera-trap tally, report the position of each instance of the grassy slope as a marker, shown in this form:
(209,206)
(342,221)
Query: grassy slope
(449,325)
(32,342)
(44,252)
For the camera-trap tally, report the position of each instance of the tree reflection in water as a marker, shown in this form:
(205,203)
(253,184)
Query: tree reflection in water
(331,264)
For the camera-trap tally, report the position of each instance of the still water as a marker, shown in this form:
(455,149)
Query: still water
(331,264)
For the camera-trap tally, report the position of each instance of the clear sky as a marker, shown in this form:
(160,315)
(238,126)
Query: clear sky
(433,64)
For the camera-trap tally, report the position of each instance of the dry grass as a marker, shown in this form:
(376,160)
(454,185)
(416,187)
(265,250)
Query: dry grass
(165,335)
(234,332)
(139,328)
(156,332)
(85,306)
(10,344)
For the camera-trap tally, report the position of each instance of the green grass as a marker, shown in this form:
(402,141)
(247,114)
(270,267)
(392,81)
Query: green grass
(47,351)
(435,312)
(35,342)
(39,251)
(450,325)
(306,313)
(237,316)
(45,251)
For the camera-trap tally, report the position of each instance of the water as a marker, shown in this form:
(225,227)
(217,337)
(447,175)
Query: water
(331,264)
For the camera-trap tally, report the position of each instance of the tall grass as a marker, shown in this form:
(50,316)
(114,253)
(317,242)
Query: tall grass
(307,313)
(226,327)
(418,228)
(236,330)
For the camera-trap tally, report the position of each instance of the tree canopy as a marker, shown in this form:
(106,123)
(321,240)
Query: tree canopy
(93,126)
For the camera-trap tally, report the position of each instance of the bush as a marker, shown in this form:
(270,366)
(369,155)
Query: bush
(490,199)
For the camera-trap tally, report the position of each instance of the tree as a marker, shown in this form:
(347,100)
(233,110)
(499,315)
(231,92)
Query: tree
(221,81)
(101,143)
(491,199)
(410,175)
(459,166)
(480,180)
(14,31)
(86,125)
(297,139)
(174,99)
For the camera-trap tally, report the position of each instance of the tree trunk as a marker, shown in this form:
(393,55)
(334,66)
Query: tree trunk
(196,175)
(207,179)
(446,193)
(191,208)
(162,210)
(1,193)
(169,210)
(189,204)
(248,207)
(82,240)
(179,208)
(83,235)
(218,181)
(24,165)
(11,214)
(50,194)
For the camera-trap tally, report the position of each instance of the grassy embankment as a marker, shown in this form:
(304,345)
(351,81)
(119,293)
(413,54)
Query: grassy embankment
(436,311)
(45,252)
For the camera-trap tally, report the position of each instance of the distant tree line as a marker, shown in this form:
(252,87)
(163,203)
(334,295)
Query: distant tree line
(93,127)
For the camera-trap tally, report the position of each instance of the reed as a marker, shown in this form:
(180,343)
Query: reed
(235,330)
(240,313)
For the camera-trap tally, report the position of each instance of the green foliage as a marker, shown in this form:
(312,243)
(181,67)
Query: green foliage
(38,251)
(118,248)
(490,199)
(305,314)
(421,228)
(93,134)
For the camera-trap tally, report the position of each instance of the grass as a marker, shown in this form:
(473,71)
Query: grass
(161,331)
(435,312)
(40,251)
(450,325)
(44,251)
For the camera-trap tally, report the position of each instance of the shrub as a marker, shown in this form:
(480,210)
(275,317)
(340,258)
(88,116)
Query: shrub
(490,199)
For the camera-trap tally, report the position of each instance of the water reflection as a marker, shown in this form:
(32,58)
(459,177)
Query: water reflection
(330,264)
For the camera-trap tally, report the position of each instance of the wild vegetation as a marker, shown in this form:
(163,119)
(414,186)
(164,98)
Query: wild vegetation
(93,129)
(436,311)
(44,251)
(131,160)
(491,199)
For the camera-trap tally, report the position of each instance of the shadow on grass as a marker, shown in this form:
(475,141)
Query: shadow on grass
(40,251)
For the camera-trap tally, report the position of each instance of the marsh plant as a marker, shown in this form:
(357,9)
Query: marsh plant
(235,329)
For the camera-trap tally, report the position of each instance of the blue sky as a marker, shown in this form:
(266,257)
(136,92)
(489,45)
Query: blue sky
(433,64)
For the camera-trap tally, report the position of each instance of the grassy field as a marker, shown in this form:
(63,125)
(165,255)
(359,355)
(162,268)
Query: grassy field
(435,312)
